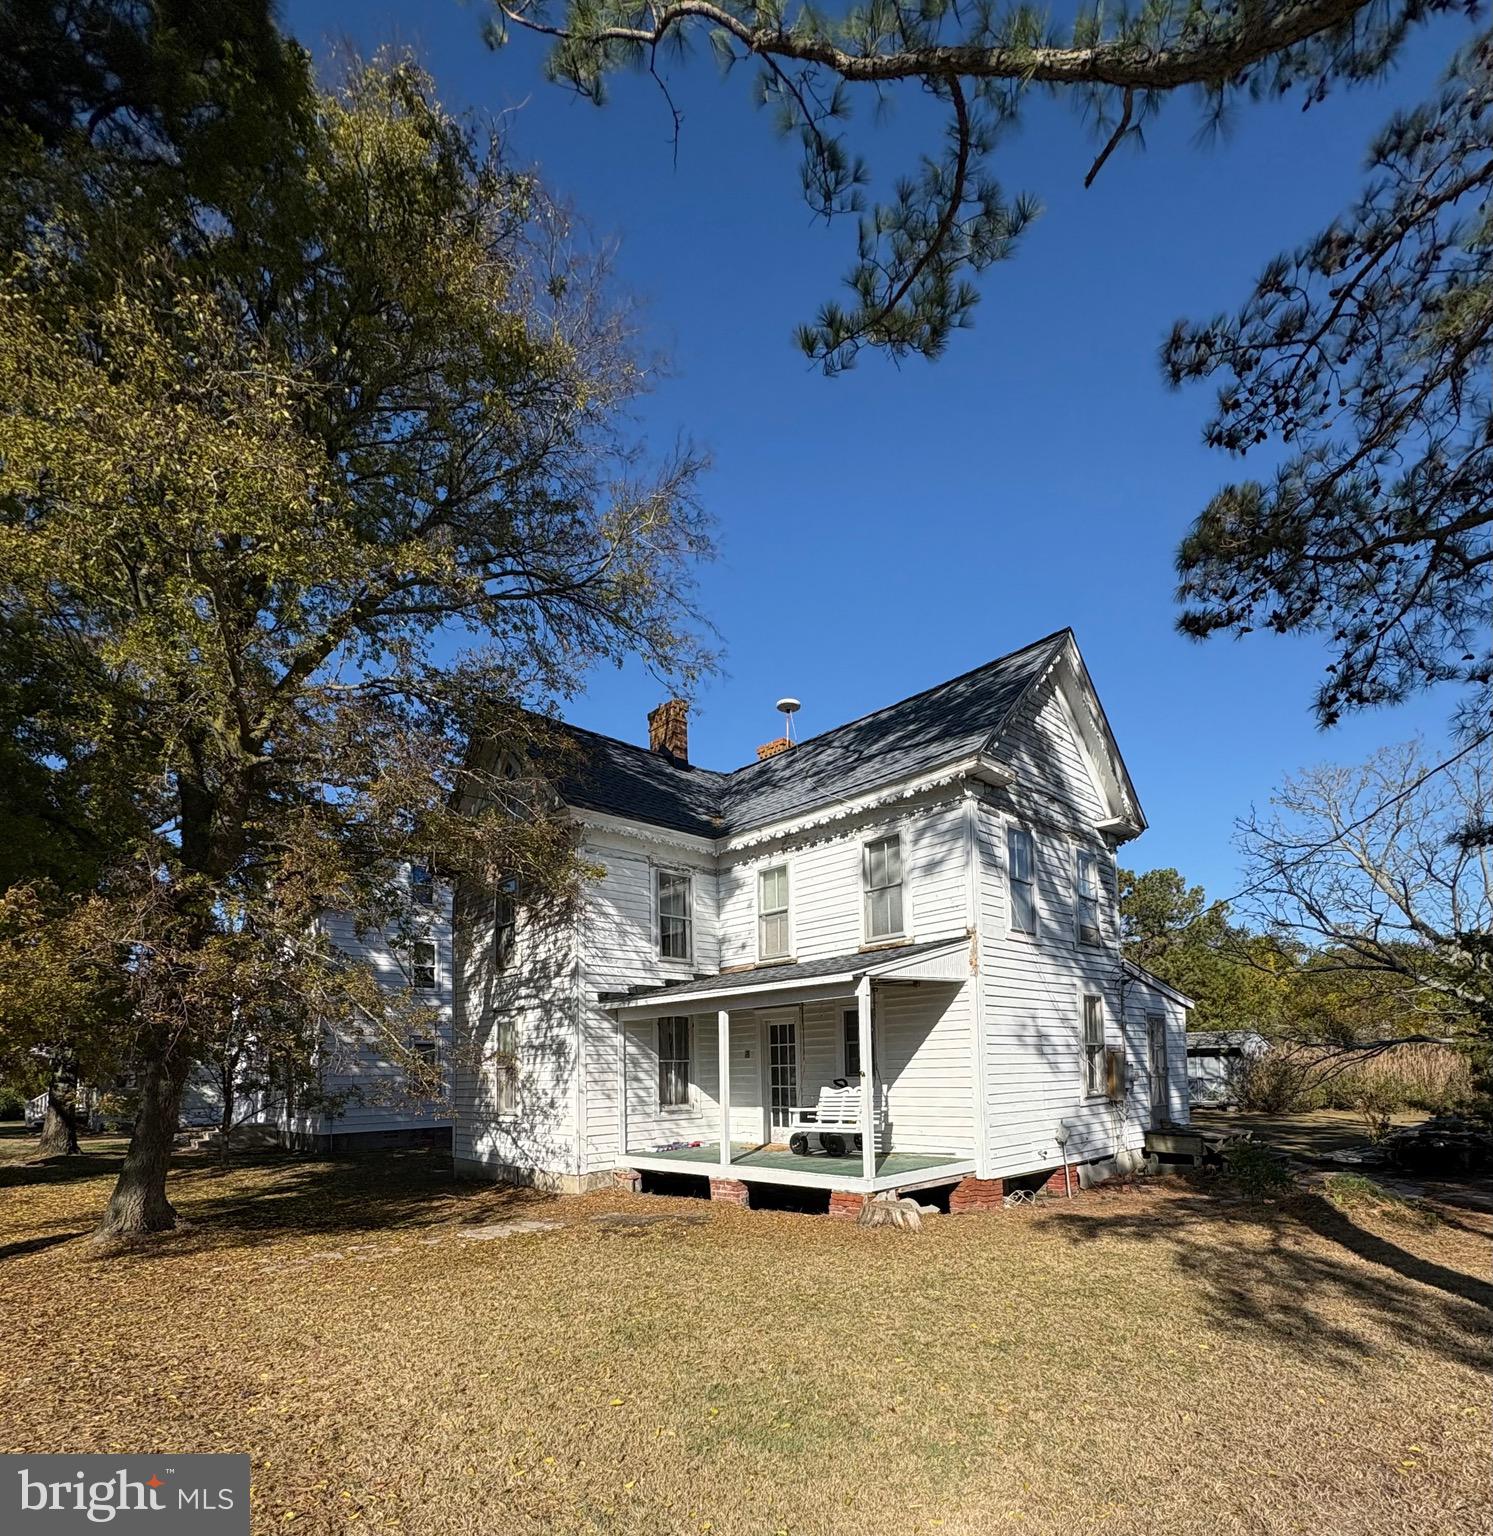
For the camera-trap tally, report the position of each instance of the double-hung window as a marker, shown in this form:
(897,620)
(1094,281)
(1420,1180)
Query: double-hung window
(772,913)
(422,885)
(1021,880)
(422,965)
(504,922)
(675,917)
(1093,1046)
(505,1064)
(673,1062)
(883,882)
(1087,897)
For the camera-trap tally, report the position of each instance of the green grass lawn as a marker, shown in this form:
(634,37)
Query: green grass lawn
(1156,1362)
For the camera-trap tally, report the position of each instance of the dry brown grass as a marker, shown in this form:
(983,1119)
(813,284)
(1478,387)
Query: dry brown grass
(1158,1362)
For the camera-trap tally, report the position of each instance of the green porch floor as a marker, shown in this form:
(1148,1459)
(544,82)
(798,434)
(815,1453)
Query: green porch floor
(745,1155)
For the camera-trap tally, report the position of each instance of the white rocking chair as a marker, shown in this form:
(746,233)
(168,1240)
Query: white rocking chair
(835,1121)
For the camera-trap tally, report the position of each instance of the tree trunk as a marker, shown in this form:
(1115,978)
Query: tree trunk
(59,1131)
(139,1204)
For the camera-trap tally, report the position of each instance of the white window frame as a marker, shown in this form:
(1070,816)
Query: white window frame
(850,1029)
(687,1061)
(904,931)
(422,885)
(785,912)
(504,919)
(1082,857)
(660,874)
(1158,1065)
(505,1078)
(413,966)
(1092,1055)
(1019,829)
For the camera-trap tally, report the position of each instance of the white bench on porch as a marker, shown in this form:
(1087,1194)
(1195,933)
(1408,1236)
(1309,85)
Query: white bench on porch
(835,1120)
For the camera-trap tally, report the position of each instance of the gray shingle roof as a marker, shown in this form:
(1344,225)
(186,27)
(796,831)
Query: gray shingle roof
(852,964)
(952,720)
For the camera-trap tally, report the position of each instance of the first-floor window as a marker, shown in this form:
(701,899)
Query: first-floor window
(505,1064)
(422,965)
(852,1030)
(1093,1046)
(673,1062)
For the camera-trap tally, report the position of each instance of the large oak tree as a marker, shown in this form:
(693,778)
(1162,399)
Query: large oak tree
(313,466)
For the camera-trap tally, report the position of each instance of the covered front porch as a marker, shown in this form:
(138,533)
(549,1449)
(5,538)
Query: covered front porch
(713,1074)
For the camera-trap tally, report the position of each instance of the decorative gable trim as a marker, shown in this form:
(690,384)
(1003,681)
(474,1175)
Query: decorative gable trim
(980,767)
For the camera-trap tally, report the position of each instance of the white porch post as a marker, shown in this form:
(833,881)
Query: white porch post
(868,1078)
(621,1086)
(723,1074)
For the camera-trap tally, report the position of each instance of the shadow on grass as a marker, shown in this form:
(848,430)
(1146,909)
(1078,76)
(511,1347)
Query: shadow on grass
(384,1192)
(94,1163)
(1298,1294)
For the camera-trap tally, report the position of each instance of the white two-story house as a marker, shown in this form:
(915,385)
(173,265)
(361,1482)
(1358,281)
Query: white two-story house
(920,903)
(362,1097)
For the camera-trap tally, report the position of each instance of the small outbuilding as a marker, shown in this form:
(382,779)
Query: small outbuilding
(1216,1057)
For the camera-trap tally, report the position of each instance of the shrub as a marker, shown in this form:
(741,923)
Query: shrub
(1354,1192)
(12,1104)
(1277,1083)
(1290,1078)
(1256,1169)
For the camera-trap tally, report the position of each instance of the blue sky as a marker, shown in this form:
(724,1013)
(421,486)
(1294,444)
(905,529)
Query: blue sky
(896,526)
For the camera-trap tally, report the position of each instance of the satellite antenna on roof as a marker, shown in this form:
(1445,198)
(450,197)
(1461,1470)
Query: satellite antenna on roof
(789,708)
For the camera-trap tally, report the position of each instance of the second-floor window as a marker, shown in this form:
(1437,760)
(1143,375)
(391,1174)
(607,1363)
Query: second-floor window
(422,965)
(675,917)
(504,921)
(772,913)
(1087,894)
(883,881)
(422,884)
(673,1062)
(1020,879)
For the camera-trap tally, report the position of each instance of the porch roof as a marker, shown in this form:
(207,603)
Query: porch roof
(932,960)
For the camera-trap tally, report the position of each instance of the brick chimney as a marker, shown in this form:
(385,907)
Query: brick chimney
(668,729)
(772,748)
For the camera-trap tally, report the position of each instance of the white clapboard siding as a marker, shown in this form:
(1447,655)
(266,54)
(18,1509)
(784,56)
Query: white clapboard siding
(1033,986)
(826,900)
(538,990)
(618,949)
(1142,1000)
(355,1055)
(924,1064)
(648,1123)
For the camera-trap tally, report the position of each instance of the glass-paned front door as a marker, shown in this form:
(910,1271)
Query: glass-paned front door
(782,1072)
